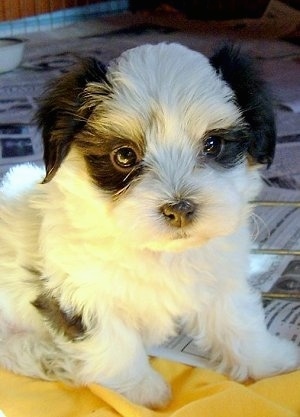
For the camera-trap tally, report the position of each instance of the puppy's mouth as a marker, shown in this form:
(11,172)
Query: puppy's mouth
(176,241)
(181,234)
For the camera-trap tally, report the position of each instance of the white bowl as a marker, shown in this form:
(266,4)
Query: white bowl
(11,53)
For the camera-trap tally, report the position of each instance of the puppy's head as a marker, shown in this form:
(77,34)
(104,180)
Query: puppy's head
(167,136)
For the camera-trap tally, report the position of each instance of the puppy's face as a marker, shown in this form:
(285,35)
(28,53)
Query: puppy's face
(166,137)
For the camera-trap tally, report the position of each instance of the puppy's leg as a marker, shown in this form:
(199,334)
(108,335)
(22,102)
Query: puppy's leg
(27,353)
(114,356)
(233,332)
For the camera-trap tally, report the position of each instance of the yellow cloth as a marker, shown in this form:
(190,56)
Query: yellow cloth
(196,393)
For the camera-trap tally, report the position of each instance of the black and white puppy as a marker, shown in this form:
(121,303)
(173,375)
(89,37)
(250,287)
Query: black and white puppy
(139,226)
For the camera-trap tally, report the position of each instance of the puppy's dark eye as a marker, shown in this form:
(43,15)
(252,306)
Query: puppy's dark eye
(124,157)
(212,146)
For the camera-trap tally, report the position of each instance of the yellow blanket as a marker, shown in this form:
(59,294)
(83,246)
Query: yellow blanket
(196,393)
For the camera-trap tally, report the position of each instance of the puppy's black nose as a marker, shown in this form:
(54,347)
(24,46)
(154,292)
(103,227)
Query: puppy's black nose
(179,214)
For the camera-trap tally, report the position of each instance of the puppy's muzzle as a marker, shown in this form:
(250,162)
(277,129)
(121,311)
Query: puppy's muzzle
(179,214)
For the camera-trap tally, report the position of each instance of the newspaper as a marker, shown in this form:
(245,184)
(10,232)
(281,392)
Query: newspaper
(285,170)
(19,143)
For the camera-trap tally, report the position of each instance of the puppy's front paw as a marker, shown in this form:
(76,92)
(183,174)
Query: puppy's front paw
(278,357)
(152,391)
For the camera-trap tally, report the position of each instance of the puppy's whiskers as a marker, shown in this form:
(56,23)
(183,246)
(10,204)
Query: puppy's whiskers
(123,190)
(258,221)
(134,169)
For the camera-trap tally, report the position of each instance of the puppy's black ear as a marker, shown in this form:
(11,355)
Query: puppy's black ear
(252,97)
(60,116)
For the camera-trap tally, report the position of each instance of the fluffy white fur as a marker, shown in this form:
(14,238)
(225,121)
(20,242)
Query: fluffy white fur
(132,277)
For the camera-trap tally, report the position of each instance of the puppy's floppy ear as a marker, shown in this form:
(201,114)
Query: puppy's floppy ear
(60,115)
(252,97)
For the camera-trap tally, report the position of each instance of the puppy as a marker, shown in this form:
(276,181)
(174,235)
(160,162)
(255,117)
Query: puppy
(139,225)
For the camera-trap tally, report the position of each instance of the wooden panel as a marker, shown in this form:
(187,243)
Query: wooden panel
(27,7)
(70,3)
(56,5)
(16,9)
(42,6)
(11,9)
(1,11)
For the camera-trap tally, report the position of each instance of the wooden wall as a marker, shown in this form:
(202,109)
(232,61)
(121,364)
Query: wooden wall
(16,9)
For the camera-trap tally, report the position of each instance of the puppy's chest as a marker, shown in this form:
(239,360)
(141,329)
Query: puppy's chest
(145,292)
(148,296)
(153,303)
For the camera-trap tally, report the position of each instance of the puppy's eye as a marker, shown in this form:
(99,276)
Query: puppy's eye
(212,146)
(124,157)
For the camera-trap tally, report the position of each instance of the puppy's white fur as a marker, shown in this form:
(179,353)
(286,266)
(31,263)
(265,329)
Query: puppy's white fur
(116,261)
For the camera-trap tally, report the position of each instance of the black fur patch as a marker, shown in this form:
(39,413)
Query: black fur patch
(59,115)
(96,148)
(235,146)
(253,98)
(70,325)
(107,177)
